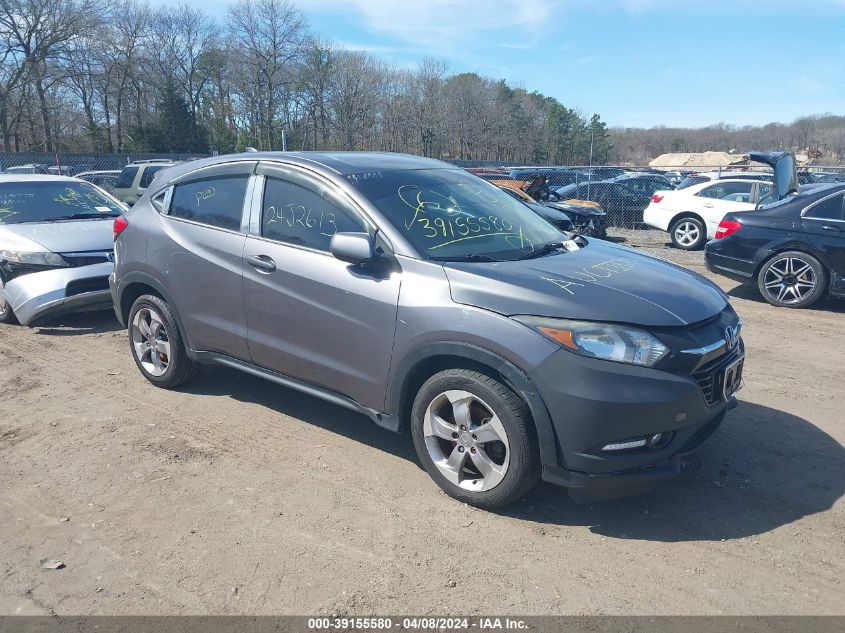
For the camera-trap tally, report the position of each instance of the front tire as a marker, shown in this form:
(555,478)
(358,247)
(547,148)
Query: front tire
(792,280)
(156,343)
(475,438)
(688,234)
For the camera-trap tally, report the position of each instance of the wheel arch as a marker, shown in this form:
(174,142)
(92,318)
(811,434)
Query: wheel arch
(432,358)
(798,247)
(686,214)
(134,285)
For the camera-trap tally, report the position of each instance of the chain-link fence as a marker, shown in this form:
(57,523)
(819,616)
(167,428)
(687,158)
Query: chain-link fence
(621,192)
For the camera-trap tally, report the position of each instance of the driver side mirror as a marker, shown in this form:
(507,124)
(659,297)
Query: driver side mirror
(353,248)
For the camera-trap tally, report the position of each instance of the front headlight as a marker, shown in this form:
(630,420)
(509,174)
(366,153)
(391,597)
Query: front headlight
(34,259)
(620,343)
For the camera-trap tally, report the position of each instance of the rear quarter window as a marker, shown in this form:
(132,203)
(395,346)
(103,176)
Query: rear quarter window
(216,202)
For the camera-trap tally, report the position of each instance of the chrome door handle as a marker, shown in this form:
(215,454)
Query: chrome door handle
(262,263)
(830,227)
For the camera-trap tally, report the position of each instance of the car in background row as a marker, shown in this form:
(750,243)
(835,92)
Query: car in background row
(555,176)
(28,168)
(702,177)
(104,178)
(588,218)
(554,216)
(692,214)
(624,198)
(508,350)
(792,250)
(56,248)
(135,177)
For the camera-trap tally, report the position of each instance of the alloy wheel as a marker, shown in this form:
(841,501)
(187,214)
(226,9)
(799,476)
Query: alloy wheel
(466,441)
(790,280)
(687,233)
(150,341)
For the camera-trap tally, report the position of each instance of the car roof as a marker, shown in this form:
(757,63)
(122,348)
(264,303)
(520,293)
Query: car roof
(37,178)
(341,163)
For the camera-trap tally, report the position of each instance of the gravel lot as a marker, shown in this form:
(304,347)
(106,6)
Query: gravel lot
(239,496)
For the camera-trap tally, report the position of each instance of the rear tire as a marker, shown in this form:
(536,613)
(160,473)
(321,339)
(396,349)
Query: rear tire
(156,343)
(475,438)
(688,234)
(792,279)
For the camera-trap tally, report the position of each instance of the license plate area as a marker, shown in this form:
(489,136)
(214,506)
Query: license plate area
(732,379)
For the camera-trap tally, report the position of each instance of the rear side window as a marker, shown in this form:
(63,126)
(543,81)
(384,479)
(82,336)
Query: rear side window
(214,201)
(149,174)
(731,191)
(127,176)
(303,216)
(830,209)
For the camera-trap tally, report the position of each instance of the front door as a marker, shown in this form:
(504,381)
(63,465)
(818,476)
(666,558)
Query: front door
(311,316)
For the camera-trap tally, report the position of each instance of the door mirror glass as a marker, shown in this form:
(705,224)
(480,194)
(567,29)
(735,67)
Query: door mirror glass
(354,248)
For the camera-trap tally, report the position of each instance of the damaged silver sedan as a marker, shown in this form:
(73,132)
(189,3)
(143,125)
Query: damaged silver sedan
(56,248)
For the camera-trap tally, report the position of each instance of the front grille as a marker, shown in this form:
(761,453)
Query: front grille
(709,377)
(81,286)
(87,259)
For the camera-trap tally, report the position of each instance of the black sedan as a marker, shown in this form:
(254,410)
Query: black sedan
(624,198)
(793,249)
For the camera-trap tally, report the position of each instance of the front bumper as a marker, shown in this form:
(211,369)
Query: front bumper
(37,296)
(595,403)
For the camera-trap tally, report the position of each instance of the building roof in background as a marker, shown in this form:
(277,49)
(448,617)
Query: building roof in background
(698,159)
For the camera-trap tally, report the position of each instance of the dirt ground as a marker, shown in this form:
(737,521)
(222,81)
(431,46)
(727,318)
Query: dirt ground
(235,495)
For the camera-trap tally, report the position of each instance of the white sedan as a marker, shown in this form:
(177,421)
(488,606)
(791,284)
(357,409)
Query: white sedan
(691,215)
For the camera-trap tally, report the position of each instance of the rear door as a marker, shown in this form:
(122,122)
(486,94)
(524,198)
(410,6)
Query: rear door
(198,255)
(722,197)
(313,317)
(824,223)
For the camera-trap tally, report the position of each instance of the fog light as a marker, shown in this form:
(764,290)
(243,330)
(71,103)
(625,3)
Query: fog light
(659,440)
(621,446)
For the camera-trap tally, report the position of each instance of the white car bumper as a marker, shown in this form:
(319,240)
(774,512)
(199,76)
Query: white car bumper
(43,294)
(657,216)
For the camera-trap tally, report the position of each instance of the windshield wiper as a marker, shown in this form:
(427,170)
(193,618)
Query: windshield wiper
(81,216)
(472,257)
(544,250)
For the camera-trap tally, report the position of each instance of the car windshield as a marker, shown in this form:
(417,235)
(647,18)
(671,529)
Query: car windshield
(47,201)
(452,215)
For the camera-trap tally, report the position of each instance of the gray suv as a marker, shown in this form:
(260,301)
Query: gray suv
(431,302)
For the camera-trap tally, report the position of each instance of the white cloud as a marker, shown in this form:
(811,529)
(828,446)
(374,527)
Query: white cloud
(446,26)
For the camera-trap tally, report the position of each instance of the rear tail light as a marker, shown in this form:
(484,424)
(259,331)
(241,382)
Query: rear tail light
(120,223)
(727,227)
(656,198)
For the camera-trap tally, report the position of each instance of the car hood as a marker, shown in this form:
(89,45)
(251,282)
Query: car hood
(600,282)
(580,209)
(60,237)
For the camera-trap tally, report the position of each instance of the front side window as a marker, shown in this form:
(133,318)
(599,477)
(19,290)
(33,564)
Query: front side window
(305,216)
(214,201)
(50,201)
(830,209)
(126,178)
(449,214)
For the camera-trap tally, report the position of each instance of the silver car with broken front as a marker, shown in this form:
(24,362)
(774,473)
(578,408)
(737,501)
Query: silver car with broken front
(56,249)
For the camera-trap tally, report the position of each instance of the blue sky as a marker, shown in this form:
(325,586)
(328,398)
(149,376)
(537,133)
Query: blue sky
(635,62)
